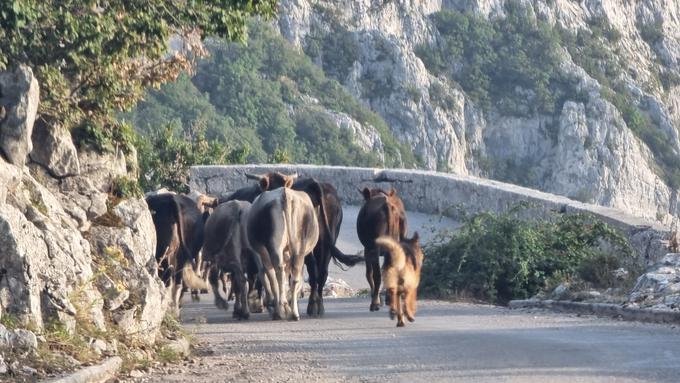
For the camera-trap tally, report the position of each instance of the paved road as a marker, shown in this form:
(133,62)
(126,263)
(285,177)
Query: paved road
(449,342)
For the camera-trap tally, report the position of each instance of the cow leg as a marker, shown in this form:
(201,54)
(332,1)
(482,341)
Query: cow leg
(255,277)
(297,281)
(176,294)
(241,289)
(312,270)
(272,284)
(214,277)
(373,277)
(322,278)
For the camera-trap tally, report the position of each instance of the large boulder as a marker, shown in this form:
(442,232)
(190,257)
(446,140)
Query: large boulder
(53,148)
(659,287)
(132,290)
(46,259)
(19,96)
(102,168)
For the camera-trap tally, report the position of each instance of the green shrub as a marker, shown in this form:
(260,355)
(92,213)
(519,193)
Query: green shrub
(124,187)
(493,60)
(497,258)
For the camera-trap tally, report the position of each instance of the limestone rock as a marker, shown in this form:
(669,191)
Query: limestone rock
(53,148)
(659,287)
(19,95)
(128,250)
(102,168)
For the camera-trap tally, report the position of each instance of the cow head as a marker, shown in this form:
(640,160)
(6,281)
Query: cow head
(206,203)
(273,180)
(375,192)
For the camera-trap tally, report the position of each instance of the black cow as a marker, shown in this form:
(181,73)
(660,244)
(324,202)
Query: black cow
(329,215)
(179,238)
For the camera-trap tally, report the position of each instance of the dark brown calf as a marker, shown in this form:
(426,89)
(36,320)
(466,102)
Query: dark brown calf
(382,214)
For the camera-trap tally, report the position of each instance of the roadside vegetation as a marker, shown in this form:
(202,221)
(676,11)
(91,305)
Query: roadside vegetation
(497,258)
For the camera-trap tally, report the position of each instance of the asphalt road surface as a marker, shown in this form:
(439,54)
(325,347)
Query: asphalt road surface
(449,342)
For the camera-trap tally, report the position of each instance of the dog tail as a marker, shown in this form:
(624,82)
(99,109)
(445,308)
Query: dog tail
(191,279)
(397,257)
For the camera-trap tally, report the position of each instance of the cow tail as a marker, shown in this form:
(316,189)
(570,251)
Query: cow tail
(180,233)
(287,211)
(339,258)
(395,260)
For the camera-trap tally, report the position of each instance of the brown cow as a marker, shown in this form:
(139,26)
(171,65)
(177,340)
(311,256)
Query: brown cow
(382,214)
(401,272)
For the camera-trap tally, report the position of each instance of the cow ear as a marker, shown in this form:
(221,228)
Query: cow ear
(392,192)
(264,183)
(289,182)
(367,193)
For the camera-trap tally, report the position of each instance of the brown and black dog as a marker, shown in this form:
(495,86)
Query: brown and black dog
(401,273)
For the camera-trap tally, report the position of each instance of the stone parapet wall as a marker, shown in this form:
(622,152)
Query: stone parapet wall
(440,193)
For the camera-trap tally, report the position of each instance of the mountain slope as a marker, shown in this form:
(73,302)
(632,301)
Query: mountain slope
(267,97)
(579,99)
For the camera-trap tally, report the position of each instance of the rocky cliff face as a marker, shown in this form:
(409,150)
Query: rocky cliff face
(585,149)
(70,256)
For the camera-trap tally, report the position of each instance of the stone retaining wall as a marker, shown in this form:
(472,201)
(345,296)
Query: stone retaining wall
(440,193)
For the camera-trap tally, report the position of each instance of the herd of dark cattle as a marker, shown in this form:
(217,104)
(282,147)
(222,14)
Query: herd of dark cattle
(252,245)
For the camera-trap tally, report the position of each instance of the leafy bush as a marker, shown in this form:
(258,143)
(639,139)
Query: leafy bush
(497,258)
(93,59)
(166,155)
(123,187)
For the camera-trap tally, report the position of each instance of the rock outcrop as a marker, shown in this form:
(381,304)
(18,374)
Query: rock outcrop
(584,150)
(19,97)
(71,255)
(659,287)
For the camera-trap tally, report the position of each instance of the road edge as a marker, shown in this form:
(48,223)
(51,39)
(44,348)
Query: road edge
(600,309)
(101,372)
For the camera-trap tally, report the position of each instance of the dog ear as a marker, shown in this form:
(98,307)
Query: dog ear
(264,183)
(367,193)
(392,192)
(415,238)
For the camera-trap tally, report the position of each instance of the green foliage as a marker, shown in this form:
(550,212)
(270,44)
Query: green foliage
(166,155)
(497,258)
(498,61)
(94,58)
(124,187)
(258,97)
(651,32)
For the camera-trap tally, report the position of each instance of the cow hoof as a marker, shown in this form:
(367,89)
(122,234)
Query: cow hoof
(295,318)
(223,305)
(276,316)
(400,323)
(375,307)
(245,315)
(410,318)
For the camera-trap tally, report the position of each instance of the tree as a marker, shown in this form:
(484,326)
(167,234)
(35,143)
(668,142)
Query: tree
(94,58)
